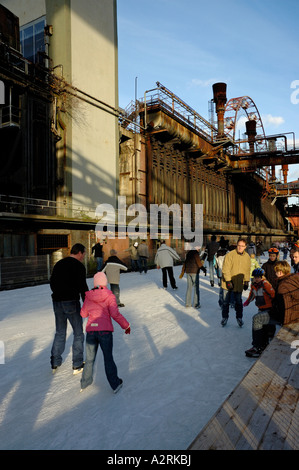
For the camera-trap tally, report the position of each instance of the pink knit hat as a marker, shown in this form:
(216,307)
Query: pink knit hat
(100,279)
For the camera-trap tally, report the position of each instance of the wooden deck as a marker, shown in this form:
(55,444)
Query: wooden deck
(262,412)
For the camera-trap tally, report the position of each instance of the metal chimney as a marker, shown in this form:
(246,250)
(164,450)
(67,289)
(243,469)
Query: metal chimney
(251,133)
(285,170)
(219,91)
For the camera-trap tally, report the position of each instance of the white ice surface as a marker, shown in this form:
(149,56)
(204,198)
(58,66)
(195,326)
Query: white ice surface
(178,366)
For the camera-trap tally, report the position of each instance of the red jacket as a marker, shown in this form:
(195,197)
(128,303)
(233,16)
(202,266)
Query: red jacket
(100,306)
(262,293)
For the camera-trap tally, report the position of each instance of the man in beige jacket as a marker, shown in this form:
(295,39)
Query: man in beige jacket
(235,279)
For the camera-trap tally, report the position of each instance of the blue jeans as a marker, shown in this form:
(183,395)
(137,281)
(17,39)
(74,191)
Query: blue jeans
(143,264)
(226,300)
(105,340)
(211,270)
(67,310)
(136,265)
(192,282)
(99,263)
(115,290)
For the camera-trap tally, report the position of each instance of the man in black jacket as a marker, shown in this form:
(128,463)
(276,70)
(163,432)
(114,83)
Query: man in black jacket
(98,254)
(68,283)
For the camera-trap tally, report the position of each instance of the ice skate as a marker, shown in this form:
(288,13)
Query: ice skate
(118,387)
(78,370)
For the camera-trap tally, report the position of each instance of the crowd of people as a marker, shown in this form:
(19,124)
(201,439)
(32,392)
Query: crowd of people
(273,286)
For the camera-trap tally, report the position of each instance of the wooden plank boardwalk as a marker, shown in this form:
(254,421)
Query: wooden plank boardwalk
(262,412)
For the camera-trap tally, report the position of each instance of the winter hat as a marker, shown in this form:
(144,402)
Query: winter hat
(100,279)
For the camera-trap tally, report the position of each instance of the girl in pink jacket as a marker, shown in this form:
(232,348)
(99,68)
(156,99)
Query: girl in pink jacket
(99,306)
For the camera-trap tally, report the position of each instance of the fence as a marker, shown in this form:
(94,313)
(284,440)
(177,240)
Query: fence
(24,270)
(21,271)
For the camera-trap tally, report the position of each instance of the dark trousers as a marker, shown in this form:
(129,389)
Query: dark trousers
(226,300)
(143,264)
(105,340)
(116,291)
(67,310)
(169,270)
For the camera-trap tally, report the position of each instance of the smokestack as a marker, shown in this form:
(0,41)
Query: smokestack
(251,133)
(285,170)
(219,91)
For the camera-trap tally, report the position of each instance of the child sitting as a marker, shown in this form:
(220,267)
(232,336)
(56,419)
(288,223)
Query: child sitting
(263,293)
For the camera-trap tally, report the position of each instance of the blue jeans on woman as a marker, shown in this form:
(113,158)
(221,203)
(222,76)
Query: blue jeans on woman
(105,340)
(67,310)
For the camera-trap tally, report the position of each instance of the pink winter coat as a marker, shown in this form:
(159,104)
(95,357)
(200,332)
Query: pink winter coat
(99,306)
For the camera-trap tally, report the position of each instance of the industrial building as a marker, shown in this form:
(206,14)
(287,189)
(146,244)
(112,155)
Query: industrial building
(67,148)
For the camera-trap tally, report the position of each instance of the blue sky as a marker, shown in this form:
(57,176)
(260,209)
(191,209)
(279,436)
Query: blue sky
(189,45)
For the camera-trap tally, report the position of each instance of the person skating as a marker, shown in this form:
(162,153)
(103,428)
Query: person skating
(191,268)
(259,250)
(262,293)
(135,262)
(99,307)
(97,249)
(112,267)
(219,260)
(143,254)
(164,259)
(212,248)
(68,283)
(235,278)
(254,265)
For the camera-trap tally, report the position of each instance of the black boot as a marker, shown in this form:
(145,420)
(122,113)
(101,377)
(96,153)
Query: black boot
(260,338)
(259,343)
(269,331)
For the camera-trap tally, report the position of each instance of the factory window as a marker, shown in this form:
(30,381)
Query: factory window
(32,40)
(47,243)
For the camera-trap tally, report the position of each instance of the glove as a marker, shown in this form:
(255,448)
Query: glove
(229,285)
(245,287)
(128,330)
(181,275)
(204,270)
(246,303)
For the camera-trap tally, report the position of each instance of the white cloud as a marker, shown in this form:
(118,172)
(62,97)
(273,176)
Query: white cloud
(270,120)
(203,83)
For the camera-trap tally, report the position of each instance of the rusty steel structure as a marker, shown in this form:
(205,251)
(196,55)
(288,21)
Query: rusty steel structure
(215,145)
(292,215)
(177,156)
